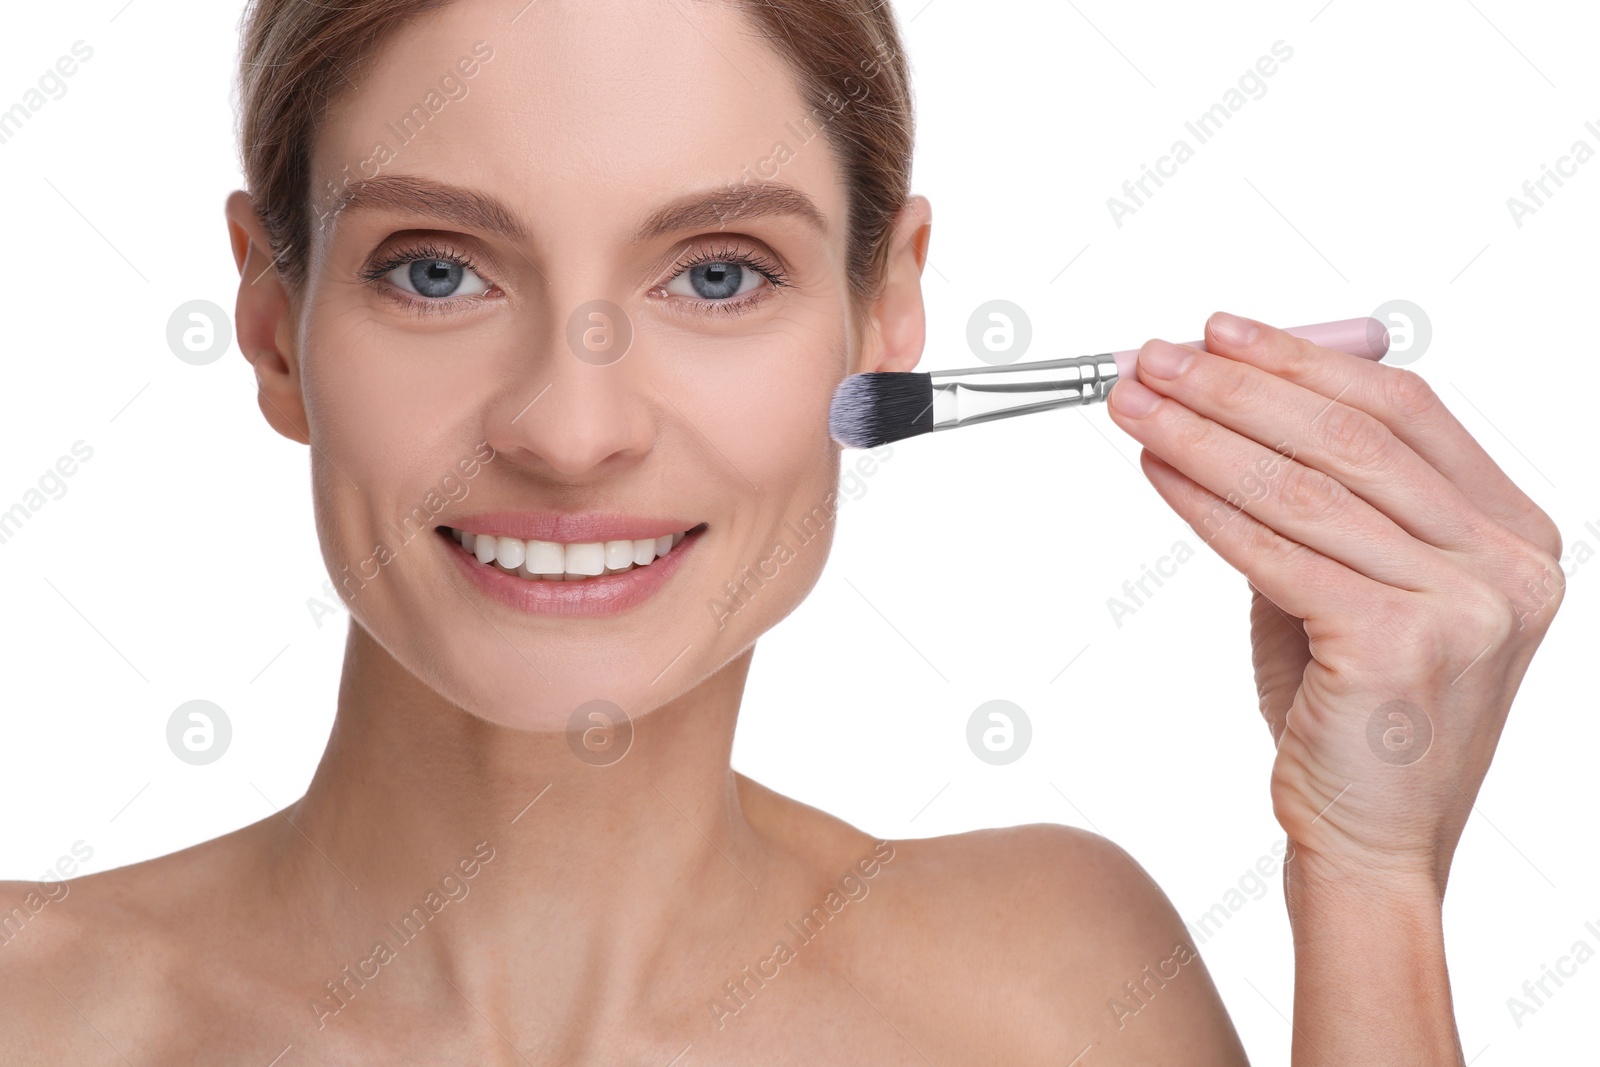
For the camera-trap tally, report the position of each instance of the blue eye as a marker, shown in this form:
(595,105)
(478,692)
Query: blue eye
(717,281)
(437,278)
(428,277)
(725,279)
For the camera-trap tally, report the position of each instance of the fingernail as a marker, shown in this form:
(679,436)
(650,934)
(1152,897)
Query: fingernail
(1133,399)
(1232,330)
(1164,359)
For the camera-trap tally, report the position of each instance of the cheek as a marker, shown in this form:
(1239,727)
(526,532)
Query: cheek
(371,424)
(766,413)
(374,394)
(788,440)
(772,424)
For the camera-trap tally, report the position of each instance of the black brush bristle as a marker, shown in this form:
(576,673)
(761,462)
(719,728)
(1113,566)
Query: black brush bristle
(876,407)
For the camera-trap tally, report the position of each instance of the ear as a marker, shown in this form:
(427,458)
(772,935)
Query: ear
(264,322)
(899,326)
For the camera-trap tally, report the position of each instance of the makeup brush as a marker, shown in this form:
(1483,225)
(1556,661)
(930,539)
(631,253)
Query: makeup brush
(876,407)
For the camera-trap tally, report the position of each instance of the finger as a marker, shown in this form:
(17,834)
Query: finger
(1404,402)
(1301,503)
(1300,580)
(1341,441)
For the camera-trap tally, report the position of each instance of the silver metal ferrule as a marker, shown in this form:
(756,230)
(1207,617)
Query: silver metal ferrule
(980,394)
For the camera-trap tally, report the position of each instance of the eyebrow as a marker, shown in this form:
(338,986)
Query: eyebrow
(406,192)
(712,209)
(707,210)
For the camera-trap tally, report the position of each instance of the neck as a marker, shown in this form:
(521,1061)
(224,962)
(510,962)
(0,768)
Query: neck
(587,875)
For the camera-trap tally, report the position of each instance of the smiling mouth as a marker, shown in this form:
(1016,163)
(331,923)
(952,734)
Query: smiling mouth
(557,561)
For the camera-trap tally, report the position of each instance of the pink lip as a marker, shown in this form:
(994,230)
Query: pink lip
(603,594)
(569,529)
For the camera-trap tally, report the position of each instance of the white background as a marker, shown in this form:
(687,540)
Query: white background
(975,566)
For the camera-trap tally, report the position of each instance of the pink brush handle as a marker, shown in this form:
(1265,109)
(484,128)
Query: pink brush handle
(1367,338)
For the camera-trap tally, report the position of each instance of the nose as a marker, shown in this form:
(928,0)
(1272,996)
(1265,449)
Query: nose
(574,410)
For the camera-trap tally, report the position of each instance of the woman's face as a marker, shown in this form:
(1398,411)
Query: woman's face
(607,311)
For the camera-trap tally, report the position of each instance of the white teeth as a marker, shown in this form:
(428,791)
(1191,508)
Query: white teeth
(510,552)
(619,554)
(551,561)
(547,558)
(587,558)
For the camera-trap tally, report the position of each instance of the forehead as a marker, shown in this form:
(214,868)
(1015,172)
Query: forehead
(590,112)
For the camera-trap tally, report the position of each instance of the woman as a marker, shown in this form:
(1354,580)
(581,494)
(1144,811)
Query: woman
(557,294)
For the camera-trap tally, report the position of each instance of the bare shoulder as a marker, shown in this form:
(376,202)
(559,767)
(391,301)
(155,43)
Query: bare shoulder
(1021,945)
(1082,939)
(64,947)
(1061,931)
(82,961)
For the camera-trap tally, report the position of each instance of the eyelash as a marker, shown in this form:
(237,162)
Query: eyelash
(769,270)
(410,254)
(772,272)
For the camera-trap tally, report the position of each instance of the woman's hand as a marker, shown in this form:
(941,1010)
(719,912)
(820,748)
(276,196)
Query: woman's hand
(1400,582)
